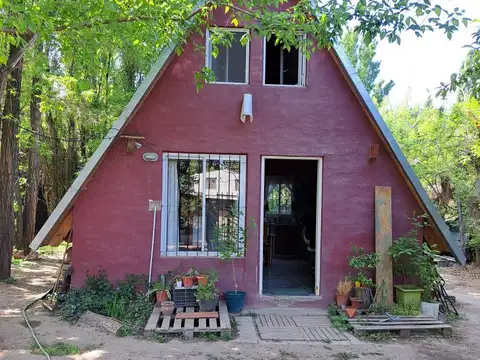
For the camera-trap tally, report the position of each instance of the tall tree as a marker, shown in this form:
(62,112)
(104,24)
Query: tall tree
(32,183)
(362,55)
(443,148)
(8,166)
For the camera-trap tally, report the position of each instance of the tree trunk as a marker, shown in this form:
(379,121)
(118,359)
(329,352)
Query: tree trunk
(19,208)
(477,256)
(71,157)
(8,167)
(461,228)
(15,58)
(31,192)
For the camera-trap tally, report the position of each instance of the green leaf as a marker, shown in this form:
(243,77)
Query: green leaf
(136,42)
(438,10)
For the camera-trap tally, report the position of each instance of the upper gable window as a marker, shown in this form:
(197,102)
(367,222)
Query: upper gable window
(230,65)
(283,67)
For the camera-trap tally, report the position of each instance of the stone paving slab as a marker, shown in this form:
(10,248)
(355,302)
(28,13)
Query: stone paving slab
(307,328)
(246,330)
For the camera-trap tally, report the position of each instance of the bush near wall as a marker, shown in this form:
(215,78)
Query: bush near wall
(126,301)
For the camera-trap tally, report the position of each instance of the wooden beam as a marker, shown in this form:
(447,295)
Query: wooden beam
(60,231)
(383,242)
(373,152)
(197,315)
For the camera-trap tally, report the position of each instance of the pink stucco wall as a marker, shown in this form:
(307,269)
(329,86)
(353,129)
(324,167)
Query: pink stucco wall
(112,224)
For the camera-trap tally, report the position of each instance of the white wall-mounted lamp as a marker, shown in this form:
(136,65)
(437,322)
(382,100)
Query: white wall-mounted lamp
(247,108)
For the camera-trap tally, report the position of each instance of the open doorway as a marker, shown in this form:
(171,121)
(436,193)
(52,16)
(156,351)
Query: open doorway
(290,227)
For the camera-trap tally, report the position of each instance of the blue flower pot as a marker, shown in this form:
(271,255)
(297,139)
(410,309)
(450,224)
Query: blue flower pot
(235,301)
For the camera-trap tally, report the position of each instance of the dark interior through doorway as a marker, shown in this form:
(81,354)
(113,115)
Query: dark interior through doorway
(289,227)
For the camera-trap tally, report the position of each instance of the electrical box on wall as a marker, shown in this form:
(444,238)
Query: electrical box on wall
(152,204)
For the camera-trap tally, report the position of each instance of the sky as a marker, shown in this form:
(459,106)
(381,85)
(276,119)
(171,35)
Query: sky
(419,65)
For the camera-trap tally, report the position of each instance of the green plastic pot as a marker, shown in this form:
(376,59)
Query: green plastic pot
(408,294)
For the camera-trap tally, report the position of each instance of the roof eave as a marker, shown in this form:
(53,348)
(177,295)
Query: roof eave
(362,93)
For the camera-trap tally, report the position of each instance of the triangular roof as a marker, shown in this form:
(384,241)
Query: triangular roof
(349,72)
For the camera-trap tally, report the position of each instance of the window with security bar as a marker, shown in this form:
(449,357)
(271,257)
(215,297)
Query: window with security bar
(198,192)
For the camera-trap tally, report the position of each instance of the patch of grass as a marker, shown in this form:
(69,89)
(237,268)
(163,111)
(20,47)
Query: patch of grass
(10,280)
(17,262)
(250,314)
(209,336)
(345,356)
(339,321)
(287,355)
(450,318)
(47,249)
(234,325)
(57,349)
(405,310)
(379,337)
(160,338)
(226,336)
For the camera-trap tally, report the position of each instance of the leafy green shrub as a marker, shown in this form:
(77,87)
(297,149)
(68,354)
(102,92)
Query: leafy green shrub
(338,320)
(415,261)
(124,302)
(136,316)
(207,292)
(362,262)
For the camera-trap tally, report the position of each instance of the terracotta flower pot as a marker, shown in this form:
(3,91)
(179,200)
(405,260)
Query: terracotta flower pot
(356,302)
(161,296)
(167,308)
(188,281)
(342,300)
(202,279)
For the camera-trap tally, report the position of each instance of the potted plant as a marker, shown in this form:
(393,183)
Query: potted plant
(162,292)
(343,289)
(189,277)
(363,263)
(230,239)
(202,279)
(408,258)
(204,276)
(430,281)
(207,296)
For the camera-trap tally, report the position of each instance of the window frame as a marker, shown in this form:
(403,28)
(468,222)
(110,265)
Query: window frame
(208,55)
(302,67)
(279,181)
(164,215)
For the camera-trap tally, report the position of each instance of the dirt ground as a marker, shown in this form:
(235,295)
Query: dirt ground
(34,278)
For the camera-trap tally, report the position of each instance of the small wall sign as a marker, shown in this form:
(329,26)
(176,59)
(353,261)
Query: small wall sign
(150,157)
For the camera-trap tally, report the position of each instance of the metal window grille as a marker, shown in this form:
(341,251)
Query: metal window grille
(191,209)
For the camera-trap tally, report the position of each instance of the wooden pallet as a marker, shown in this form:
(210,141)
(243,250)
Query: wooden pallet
(173,325)
(404,324)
